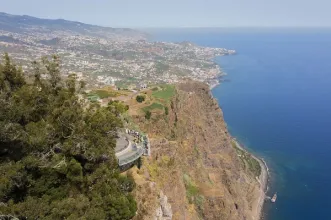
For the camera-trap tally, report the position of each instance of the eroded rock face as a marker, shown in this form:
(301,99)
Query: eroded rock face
(163,212)
(193,161)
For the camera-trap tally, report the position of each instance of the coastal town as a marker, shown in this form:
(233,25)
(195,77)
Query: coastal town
(104,56)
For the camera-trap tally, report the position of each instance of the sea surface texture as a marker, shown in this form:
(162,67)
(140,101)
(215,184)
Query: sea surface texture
(276,100)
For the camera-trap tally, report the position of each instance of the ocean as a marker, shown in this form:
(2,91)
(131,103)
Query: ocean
(276,100)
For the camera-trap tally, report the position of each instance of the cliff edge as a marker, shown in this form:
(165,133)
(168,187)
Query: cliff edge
(195,171)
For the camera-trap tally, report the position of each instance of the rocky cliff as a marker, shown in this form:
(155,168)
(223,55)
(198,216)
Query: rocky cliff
(194,171)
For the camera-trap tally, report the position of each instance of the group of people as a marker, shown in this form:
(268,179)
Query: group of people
(139,138)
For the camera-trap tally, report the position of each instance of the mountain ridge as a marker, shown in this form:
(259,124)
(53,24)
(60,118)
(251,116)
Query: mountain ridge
(27,23)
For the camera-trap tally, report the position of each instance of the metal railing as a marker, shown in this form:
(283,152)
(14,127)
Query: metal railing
(129,158)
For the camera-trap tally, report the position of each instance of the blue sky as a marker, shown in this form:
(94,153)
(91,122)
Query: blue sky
(178,13)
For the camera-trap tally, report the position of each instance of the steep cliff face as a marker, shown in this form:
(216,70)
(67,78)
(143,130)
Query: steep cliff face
(193,163)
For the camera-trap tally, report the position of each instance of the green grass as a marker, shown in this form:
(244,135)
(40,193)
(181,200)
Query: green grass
(166,92)
(191,189)
(254,166)
(193,193)
(103,93)
(249,162)
(93,98)
(153,106)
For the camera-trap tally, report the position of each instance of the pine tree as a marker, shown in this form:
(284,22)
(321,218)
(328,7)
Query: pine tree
(57,157)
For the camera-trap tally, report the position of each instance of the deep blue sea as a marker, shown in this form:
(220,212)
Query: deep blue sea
(277,102)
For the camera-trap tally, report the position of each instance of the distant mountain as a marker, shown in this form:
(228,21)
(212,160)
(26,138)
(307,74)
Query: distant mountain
(19,24)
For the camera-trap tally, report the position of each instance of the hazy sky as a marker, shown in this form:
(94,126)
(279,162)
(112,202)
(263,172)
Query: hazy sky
(178,13)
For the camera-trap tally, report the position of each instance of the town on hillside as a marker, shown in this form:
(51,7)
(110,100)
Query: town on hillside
(107,56)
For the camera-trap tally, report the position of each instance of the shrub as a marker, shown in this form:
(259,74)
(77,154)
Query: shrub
(148,114)
(166,110)
(140,98)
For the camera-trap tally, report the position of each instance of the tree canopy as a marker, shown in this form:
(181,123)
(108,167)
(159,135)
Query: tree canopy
(140,98)
(57,157)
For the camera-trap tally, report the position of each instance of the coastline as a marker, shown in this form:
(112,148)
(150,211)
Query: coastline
(263,178)
(263,181)
(212,83)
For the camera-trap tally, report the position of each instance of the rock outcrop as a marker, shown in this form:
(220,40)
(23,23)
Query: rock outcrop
(163,212)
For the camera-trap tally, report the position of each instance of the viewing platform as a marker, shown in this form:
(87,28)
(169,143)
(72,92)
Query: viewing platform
(130,146)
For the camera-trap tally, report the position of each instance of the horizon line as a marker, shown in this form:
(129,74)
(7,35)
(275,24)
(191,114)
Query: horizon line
(197,27)
(177,27)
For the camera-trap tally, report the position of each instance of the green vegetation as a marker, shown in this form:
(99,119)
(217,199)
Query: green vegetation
(118,107)
(57,156)
(122,84)
(140,98)
(148,115)
(156,169)
(166,92)
(153,170)
(93,98)
(153,106)
(191,189)
(248,160)
(193,193)
(102,94)
(166,110)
